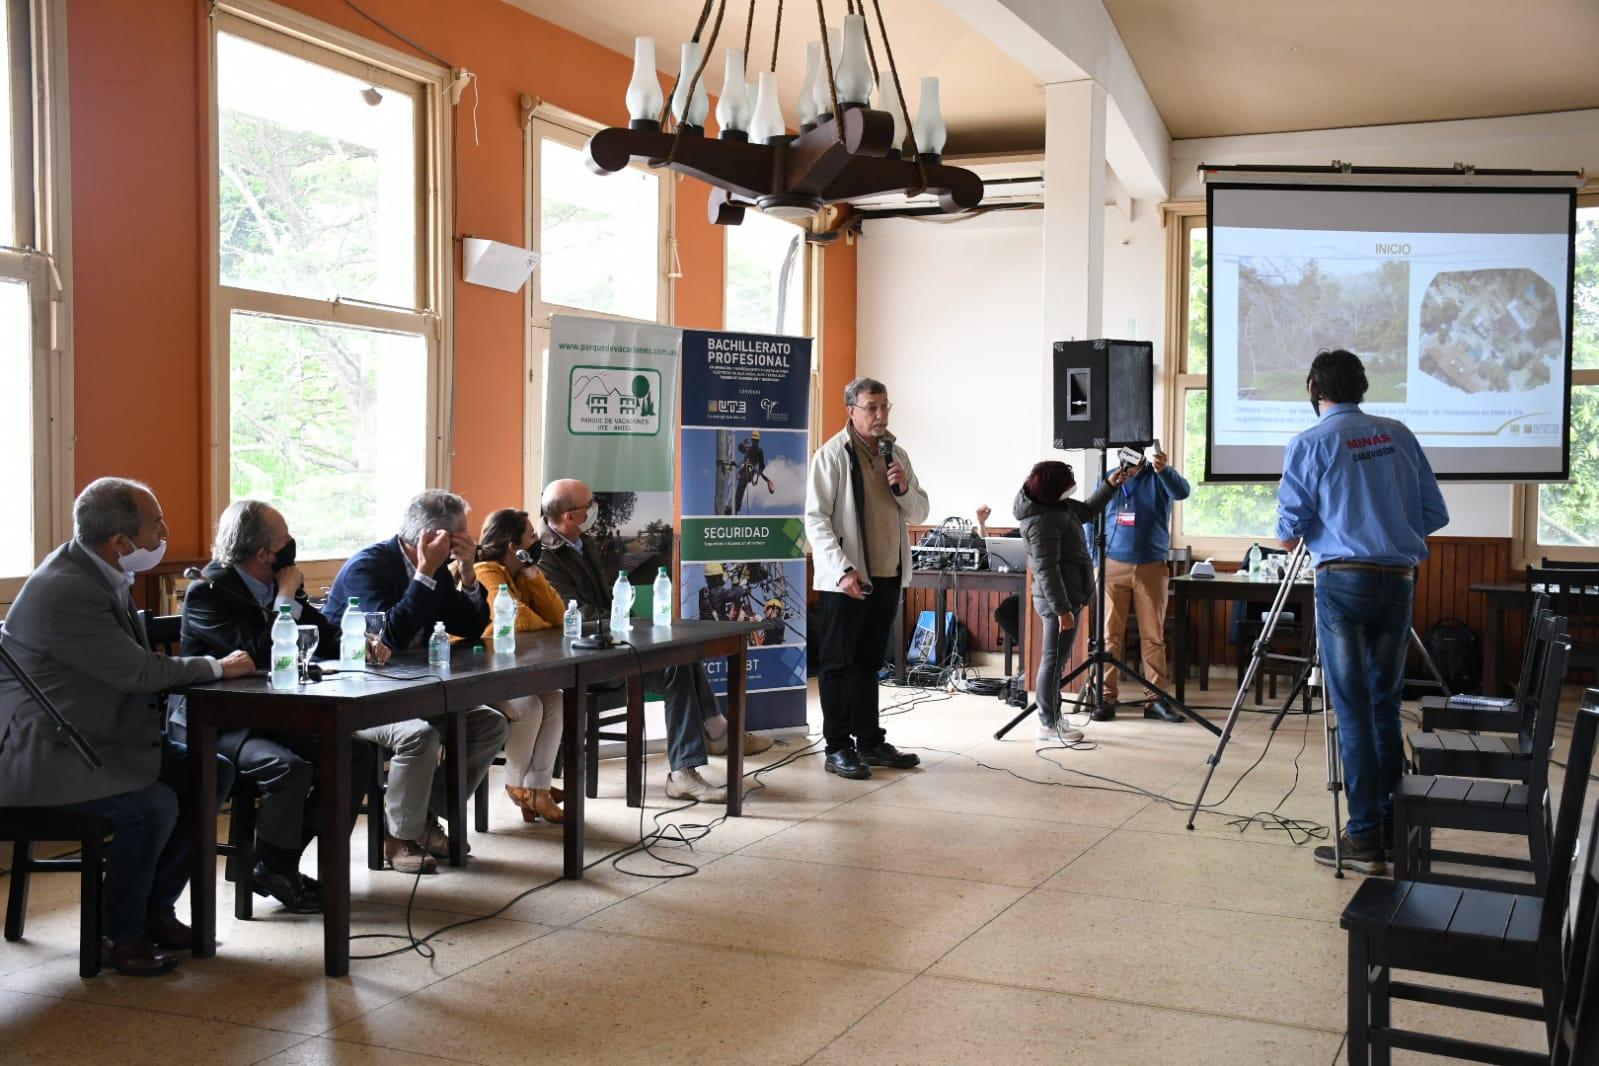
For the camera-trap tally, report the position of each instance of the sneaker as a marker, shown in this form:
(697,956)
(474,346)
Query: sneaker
(437,840)
(408,856)
(1361,854)
(885,754)
(1058,734)
(689,785)
(753,745)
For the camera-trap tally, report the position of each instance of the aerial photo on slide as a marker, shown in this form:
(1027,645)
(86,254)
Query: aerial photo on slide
(1491,330)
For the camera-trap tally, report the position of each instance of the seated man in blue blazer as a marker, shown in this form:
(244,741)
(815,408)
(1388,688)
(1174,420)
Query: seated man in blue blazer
(251,574)
(418,578)
(74,630)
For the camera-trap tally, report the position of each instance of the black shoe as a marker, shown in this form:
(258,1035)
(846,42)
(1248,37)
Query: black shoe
(885,754)
(1361,854)
(1106,713)
(1162,710)
(846,762)
(288,891)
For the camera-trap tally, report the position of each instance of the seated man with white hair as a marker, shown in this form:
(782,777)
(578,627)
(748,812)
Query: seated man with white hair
(75,631)
(694,723)
(418,578)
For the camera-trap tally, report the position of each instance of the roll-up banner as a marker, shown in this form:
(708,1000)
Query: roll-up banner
(610,397)
(742,493)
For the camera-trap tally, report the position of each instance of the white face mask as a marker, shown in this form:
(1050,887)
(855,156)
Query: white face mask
(141,559)
(588,522)
(1068,493)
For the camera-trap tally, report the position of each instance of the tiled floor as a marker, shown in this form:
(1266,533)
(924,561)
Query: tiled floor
(989,907)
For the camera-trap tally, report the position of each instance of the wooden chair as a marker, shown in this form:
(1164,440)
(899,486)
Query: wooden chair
(26,826)
(1503,758)
(1500,937)
(1576,1035)
(1573,592)
(1436,712)
(1424,802)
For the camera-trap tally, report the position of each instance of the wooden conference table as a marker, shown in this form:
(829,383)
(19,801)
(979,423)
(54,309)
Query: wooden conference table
(947,581)
(335,707)
(1226,587)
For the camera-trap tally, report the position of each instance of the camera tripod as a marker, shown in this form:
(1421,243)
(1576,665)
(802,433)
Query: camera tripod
(1098,657)
(1307,684)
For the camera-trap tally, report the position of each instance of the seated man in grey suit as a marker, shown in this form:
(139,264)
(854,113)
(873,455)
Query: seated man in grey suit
(74,629)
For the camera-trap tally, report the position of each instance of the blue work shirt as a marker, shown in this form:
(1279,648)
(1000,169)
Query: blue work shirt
(1357,487)
(1147,498)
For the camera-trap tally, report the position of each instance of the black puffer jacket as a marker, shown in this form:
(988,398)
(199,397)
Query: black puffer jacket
(1063,574)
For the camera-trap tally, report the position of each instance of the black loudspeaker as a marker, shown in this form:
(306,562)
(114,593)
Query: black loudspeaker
(1104,393)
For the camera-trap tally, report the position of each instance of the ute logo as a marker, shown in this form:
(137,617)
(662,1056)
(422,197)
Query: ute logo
(728,407)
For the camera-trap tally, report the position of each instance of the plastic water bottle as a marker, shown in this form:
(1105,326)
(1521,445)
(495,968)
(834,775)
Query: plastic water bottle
(621,603)
(285,650)
(504,622)
(1253,560)
(663,599)
(572,621)
(439,648)
(352,640)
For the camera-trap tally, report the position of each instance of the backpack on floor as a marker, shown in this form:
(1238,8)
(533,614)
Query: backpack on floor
(1457,653)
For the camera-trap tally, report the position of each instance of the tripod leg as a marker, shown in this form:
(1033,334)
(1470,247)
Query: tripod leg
(1014,722)
(1432,667)
(1129,672)
(1214,759)
(1335,784)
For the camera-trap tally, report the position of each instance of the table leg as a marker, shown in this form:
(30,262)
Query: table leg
(572,771)
(1180,644)
(1202,645)
(455,784)
(333,851)
(202,740)
(635,740)
(735,731)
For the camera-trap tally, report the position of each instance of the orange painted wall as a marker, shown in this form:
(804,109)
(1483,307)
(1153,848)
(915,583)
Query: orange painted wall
(136,82)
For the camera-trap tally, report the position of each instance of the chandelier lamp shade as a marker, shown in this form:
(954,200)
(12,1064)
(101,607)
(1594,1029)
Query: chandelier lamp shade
(845,147)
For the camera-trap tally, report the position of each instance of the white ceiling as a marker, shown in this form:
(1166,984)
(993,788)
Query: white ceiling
(1213,67)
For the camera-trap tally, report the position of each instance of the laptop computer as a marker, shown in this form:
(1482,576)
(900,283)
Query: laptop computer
(1006,553)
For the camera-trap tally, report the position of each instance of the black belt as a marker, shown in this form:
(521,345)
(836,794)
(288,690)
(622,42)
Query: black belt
(1370,568)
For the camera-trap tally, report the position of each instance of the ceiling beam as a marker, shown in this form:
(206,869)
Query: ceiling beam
(1074,40)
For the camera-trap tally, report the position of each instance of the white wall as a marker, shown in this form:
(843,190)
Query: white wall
(1563,141)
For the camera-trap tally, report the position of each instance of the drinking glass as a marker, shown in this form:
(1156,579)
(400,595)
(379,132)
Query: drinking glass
(375,621)
(309,638)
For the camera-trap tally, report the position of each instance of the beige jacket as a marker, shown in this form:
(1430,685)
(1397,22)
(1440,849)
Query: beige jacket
(833,505)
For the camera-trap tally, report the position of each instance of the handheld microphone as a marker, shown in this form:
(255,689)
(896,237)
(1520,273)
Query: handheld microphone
(885,448)
(1130,457)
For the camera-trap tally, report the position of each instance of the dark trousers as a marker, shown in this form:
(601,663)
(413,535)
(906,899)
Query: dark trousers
(147,862)
(853,642)
(689,703)
(283,767)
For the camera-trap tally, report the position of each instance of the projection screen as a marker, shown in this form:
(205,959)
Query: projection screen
(1458,301)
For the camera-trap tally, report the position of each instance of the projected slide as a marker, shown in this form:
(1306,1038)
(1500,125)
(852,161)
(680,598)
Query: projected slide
(1457,303)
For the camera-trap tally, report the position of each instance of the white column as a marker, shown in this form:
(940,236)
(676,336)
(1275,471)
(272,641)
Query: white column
(1072,299)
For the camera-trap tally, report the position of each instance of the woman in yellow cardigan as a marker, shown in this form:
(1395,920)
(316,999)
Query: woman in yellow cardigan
(535,734)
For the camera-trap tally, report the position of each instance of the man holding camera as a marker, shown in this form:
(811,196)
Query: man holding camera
(1358,490)
(1137,540)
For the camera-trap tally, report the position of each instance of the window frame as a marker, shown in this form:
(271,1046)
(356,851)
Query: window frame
(431,318)
(42,262)
(1526,549)
(803,268)
(1181,219)
(545,121)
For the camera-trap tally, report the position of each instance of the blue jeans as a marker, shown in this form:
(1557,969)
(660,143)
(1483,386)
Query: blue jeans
(147,862)
(1362,626)
(1057,646)
(689,704)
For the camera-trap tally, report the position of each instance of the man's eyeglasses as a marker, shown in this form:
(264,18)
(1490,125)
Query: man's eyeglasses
(874,409)
(583,510)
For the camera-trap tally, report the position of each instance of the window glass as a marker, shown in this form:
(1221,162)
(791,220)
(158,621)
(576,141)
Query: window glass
(16,428)
(1220,510)
(1585,323)
(317,189)
(1198,294)
(1568,513)
(765,276)
(599,235)
(327,424)
(8,151)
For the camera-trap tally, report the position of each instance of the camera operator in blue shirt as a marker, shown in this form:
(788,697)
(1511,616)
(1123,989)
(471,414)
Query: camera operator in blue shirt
(1361,494)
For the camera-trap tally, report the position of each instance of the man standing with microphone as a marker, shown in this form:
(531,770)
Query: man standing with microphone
(861,496)
(1358,490)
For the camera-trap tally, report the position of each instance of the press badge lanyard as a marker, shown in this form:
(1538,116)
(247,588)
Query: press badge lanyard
(1127,516)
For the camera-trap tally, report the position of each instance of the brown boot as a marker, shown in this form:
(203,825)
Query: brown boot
(546,807)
